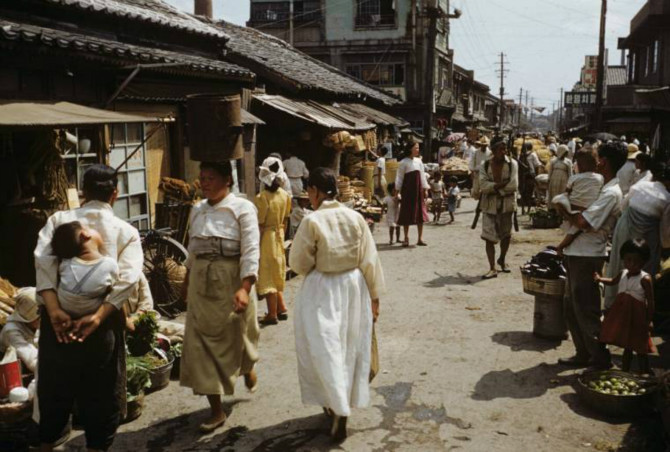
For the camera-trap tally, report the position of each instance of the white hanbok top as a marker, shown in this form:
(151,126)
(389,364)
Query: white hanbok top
(295,168)
(649,198)
(336,239)
(407,165)
(229,228)
(642,176)
(121,242)
(626,175)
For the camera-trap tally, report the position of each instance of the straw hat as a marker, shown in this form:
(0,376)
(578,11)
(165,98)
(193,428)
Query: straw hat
(483,141)
(303,195)
(633,151)
(26,309)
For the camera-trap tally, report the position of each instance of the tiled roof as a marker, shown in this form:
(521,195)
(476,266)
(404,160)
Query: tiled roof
(616,75)
(284,65)
(90,46)
(152,11)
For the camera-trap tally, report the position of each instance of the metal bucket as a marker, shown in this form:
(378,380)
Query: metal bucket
(215,127)
(548,320)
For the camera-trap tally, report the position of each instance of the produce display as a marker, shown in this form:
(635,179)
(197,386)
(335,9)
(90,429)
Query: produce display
(620,386)
(143,339)
(546,264)
(455,166)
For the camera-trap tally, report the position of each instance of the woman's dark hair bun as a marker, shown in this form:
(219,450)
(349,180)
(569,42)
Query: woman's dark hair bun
(324,180)
(99,182)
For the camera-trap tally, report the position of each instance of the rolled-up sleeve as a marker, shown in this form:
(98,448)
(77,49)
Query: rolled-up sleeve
(370,263)
(249,242)
(131,261)
(46,264)
(302,257)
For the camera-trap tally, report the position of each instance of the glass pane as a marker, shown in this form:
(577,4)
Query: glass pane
(143,225)
(134,133)
(136,182)
(121,208)
(118,133)
(123,184)
(137,160)
(137,205)
(117,156)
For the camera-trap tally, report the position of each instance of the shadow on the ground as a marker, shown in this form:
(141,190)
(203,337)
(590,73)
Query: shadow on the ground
(524,341)
(524,384)
(181,434)
(458,279)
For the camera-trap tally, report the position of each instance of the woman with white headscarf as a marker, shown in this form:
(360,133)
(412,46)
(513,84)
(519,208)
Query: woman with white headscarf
(560,170)
(274,208)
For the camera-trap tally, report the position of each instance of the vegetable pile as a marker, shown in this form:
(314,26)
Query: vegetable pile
(620,386)
(547,264)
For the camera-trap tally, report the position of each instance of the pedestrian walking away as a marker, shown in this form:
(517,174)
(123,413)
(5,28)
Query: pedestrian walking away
(221,335)
(337,303)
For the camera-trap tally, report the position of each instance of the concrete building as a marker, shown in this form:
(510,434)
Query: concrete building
(382,42)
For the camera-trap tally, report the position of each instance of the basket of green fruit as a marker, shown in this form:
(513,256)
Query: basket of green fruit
(616,393)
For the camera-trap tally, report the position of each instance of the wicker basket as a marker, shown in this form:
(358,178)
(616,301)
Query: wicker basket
(15,412)
(543,287)
(617,405)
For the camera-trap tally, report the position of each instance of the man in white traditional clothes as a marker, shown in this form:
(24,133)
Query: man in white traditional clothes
(482,154)
(99,391)
(572,147)
(296,170)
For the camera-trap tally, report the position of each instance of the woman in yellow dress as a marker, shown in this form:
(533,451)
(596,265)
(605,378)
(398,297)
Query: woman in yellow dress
(274,209)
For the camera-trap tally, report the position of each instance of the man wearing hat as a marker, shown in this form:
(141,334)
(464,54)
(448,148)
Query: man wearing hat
(626,174)
(19,332)
(300,211)
(499,182)
(482,154)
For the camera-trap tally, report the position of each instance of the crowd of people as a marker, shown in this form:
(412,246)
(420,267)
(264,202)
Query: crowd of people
(89,265)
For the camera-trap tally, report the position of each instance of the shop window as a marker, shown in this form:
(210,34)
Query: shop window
(270,11)
(654,56)
(132,203)
(379,74)
(375,13)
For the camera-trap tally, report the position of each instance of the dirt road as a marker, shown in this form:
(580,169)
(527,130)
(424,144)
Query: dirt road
(460,370)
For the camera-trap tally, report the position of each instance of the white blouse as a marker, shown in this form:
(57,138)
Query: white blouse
(234,221)
(649,198)
(632,285)
(121,242)
(408,165)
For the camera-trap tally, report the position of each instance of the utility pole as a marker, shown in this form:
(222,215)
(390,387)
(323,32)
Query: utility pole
(600,75)
(502,92)
(290,22)
(560,113)
(518,119)
(553,114)
(532,102)
(526,115)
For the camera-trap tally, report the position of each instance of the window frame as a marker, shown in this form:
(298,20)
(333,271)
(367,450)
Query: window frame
(365,10)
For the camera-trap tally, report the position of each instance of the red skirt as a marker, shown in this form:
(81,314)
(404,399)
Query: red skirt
(412,205)
(626,325)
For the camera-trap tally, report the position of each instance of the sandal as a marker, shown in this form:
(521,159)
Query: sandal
(267,321)
(209,428)
(490,275)
(282,315)
(421,243)
(504,267)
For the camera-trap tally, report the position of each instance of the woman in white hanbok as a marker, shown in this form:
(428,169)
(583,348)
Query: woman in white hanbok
(337,304)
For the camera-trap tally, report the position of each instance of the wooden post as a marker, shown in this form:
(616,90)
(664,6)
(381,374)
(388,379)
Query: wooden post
(600,80)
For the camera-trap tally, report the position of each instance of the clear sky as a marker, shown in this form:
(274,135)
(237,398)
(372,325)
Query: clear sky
(544,41)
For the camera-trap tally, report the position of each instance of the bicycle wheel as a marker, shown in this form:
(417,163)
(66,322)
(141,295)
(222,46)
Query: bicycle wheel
(165,272)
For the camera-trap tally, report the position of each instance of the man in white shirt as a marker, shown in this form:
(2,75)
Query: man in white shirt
(380,172)
(482,154)
(296,171)
(469,151)
(626,174)
(586,256)
(572,147)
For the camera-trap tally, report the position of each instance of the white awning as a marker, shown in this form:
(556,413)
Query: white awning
(15,113)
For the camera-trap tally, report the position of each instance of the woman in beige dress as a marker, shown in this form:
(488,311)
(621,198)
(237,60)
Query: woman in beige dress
(560,170)
(337,304)
(221,337)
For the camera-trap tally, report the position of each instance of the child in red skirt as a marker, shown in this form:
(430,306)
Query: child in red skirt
(628,322)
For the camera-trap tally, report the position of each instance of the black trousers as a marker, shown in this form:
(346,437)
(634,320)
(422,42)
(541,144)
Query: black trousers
(89,374)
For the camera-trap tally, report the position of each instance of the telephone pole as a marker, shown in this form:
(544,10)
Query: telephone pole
(526,115)
(600,75)
(502,92)
(290,22)
(532,102)
(560,113)
(518,119)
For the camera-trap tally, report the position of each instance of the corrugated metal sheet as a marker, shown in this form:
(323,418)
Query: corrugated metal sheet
(248,118)
(373,115)
(616,75)
(316,113)
(55,114)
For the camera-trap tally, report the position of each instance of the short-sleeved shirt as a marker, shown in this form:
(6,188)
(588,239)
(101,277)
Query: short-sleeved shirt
(602,216)
(453,195)
(437,189)
(381,166)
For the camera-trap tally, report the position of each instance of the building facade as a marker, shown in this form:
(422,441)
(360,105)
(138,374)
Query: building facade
(381,42)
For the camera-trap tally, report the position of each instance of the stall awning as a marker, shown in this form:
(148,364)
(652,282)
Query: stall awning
(58,114)
(249,119)
(316,113)
(372,115)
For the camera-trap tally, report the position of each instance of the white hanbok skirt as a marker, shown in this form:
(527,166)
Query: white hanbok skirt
(333,336)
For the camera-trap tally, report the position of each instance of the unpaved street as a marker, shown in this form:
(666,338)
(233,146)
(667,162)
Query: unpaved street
(460,370)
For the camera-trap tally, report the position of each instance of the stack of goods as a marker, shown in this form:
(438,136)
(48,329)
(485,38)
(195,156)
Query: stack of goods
(353,163)
(545,219)
(368,176)
(177,189)
(455,166)
(370,139)
(344,191)
(547,264)
(7,303)
(339,141)
(391,170)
